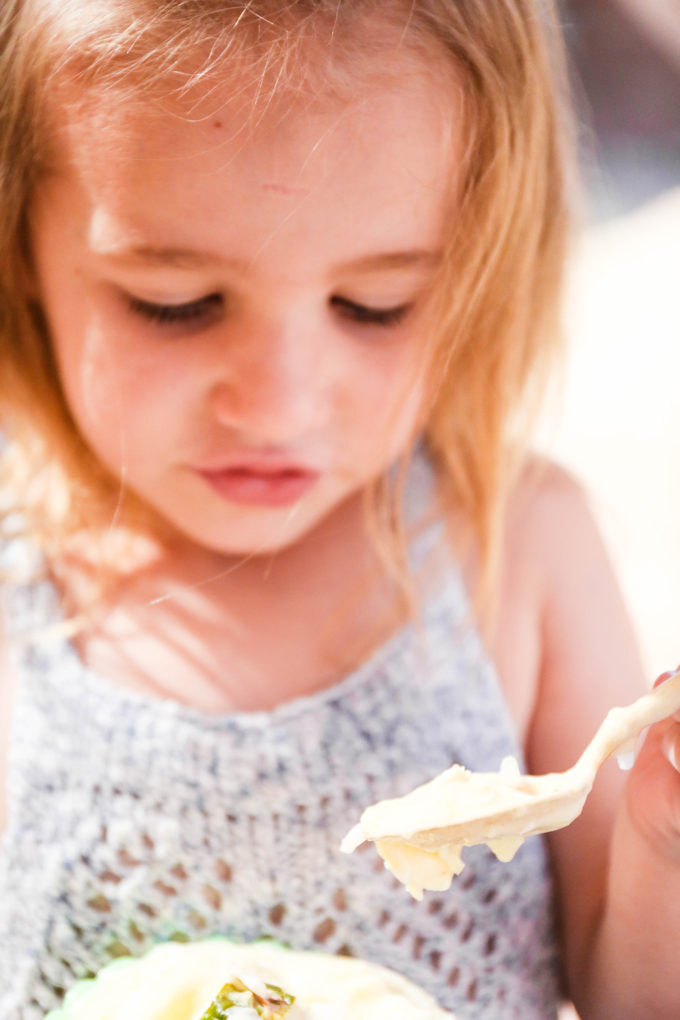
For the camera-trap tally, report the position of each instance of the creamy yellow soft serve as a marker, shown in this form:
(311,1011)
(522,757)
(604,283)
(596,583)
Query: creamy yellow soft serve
(408,831)
(179,981)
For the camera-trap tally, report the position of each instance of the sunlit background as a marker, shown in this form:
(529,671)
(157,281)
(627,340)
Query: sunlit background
(617,424)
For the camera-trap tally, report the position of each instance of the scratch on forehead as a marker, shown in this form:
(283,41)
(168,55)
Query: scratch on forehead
(283,189)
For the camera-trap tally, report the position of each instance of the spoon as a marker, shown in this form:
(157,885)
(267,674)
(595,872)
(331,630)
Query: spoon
(420,835)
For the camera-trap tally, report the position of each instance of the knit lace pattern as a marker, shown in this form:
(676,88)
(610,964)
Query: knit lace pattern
(134,820)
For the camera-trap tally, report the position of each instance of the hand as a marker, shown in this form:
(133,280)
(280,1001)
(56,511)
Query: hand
(653,792)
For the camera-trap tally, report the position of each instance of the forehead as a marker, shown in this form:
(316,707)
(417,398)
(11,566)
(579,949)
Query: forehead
(383,154)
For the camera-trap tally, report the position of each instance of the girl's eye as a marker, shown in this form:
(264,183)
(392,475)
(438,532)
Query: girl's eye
(370,316)
(198,312)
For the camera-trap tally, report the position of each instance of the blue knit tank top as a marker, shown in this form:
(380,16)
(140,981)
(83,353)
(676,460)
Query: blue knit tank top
(134,820)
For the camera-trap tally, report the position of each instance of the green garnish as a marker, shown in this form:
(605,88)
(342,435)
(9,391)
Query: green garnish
(273,1006)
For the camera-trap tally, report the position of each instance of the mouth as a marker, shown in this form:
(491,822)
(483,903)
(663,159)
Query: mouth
(260,483)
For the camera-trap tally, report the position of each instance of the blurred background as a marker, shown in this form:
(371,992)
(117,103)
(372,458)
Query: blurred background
(616,423)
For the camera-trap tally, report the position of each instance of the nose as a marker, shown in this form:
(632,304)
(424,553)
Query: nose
(272,382)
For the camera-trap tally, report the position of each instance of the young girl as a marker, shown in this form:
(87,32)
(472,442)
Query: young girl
(278,281)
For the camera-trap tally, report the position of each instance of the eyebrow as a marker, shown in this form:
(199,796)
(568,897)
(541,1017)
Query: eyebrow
(187,258)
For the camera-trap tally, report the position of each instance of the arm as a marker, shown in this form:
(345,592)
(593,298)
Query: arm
(618,889)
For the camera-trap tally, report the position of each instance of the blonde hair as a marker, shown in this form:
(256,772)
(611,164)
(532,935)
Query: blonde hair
(496,307)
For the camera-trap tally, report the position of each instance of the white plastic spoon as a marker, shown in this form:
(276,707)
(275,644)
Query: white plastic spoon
(420,835)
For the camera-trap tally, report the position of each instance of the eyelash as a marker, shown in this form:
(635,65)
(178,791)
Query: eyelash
(194,312)
(370,316)
(168,315)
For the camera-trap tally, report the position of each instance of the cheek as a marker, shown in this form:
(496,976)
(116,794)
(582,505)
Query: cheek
(114,396)
(100,376)
(392,398)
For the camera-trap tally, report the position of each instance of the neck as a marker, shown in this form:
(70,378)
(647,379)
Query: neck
(245,632)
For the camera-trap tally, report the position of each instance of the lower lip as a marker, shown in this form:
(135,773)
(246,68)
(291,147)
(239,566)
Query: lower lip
(252,489)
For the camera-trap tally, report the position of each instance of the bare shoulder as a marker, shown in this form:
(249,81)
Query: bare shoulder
(556,561)
(590,658)
(551,556)
(547,497)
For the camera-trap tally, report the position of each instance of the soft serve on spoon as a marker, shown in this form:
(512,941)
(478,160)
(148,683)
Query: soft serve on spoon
(420,836)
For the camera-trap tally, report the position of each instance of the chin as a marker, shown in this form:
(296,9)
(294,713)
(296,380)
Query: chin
(257,538)
(230,530)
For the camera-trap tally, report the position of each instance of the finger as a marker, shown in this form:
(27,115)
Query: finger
(628,753)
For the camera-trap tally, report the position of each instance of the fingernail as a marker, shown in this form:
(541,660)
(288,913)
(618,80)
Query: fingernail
(666,676)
